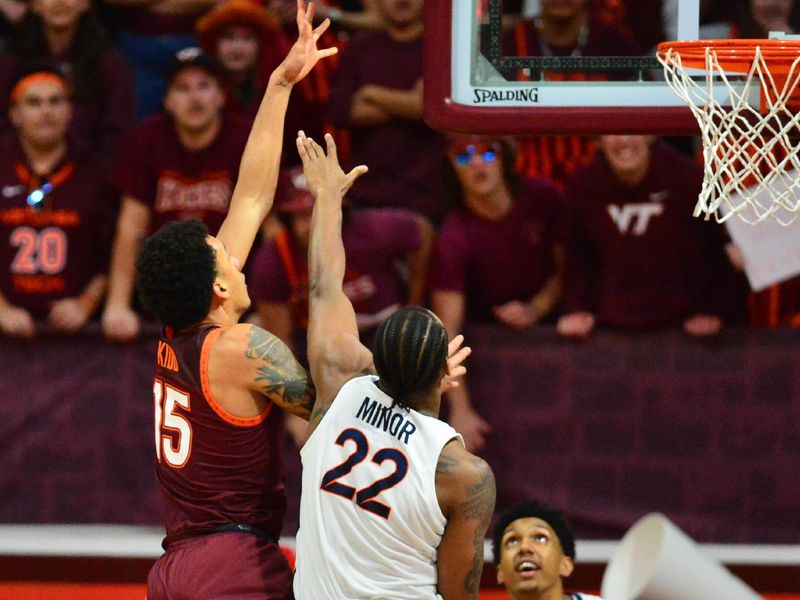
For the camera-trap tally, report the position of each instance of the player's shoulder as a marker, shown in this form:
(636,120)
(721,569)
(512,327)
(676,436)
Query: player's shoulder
(463,480)
(242,340)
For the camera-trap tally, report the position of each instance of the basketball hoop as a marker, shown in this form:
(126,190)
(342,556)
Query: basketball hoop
(747,104)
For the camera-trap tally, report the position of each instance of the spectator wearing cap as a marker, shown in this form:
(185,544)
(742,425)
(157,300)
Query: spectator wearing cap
(55,214)
(179,164)
(249,43)
(68,35)
(534,552)
(376,94)
(503,223)
(149,34)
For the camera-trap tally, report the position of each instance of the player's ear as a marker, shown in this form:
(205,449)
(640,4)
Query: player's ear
(220,290)
(566,567)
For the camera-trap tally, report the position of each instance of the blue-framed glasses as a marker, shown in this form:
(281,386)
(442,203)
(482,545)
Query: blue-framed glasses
(36,198)
(486,152)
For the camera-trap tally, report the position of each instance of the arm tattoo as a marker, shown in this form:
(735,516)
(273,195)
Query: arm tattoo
(284,84)
(479,506)
(282,378)
(445,465)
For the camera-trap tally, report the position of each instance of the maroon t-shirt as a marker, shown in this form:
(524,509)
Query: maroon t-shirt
(52,253)
(635,256)
(374,240)
(404,156)
(212,468)
(494,262)
(176,183)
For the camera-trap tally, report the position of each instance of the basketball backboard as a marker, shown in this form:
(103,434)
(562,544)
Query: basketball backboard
(472,83)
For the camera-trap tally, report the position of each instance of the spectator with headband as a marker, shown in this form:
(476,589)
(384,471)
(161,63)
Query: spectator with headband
(69,34)
(503,222)
(534,552)
(54,215)
(182,163)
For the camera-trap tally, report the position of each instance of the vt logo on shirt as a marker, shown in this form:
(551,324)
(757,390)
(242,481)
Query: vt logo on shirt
(633,218)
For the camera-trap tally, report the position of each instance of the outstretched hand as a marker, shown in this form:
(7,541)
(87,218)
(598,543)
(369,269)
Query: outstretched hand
(456,355)
(322,169)
(304,54)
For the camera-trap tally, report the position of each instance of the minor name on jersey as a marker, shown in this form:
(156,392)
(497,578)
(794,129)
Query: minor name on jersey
(383,417)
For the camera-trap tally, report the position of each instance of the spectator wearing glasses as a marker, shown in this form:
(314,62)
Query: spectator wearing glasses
(182,163)
(503,222)
(54,215)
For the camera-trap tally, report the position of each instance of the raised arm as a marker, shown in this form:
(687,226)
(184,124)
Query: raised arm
(258,172)
(335,353)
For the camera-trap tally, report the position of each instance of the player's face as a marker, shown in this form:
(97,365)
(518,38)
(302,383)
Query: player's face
(401,12)
(771,15)
(237,49)
(479,167)
(531,558)
(561,10)
(230,277)
(60,14)
(194,99)
(41,115)
(627,155)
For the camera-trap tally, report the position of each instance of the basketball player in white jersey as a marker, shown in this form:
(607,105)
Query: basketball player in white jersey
(393,506)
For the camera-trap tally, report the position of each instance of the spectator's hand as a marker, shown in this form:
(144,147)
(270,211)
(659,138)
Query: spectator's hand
(17,322)
(735,256)
(515,314)
(68,315)
(702,325)
(456,355)
(471,426)
(576,325)
(120,323)
(322,170)
(304,54)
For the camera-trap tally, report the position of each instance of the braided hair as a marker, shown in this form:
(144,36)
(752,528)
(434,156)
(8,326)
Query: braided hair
(410,353)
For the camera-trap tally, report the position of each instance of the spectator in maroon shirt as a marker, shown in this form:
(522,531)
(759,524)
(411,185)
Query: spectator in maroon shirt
(54,215)
(248,43)
(636,258)
(498,258)
(377,94)
(70,35)
(179,164)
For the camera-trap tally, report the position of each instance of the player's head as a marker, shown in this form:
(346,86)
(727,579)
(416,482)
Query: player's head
(410,354)
(194,96)
(628,156)
(39,107)
(534,549)
(182,272)
(478,166)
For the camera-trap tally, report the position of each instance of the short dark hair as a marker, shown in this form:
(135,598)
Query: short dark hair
(175,273)
(189,58)
(410,352)
(526,509)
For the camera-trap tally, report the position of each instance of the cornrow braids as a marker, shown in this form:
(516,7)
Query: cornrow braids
(410,353)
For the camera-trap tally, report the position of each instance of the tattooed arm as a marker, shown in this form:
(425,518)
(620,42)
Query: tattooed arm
(250,367)
(466,492)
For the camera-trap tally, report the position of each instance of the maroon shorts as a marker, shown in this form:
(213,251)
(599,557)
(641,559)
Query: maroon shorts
(221,565)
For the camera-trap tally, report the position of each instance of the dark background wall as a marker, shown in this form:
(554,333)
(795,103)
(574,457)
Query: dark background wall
(706,432)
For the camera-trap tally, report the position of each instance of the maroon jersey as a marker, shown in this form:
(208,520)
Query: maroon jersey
(51,253)
(176,183)
(213,468)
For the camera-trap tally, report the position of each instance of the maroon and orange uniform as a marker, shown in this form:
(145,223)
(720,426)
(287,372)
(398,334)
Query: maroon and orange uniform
(176,183)
(217,474)
(53,252)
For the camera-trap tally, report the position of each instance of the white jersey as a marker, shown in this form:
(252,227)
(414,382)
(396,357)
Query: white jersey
(576,596)
(370,522)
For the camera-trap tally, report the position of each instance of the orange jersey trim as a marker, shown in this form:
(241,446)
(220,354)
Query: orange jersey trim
(216,406)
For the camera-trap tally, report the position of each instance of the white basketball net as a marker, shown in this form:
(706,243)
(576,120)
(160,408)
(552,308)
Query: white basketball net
(751,163)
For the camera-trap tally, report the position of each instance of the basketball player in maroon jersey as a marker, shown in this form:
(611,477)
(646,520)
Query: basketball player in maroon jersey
(217,382)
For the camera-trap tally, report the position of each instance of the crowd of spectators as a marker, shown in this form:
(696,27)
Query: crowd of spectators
(571,231)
